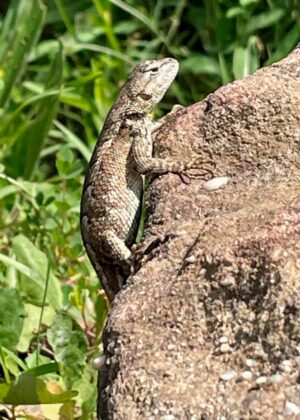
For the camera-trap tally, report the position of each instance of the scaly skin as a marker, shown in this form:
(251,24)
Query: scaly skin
(113,187)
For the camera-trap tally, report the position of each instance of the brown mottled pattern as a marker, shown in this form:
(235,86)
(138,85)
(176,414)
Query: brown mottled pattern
(209,326)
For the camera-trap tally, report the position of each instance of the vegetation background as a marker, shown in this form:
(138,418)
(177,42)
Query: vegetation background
(62,63)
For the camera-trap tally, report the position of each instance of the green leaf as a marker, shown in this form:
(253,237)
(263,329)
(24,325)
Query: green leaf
(287,43)
(66,165)
(31,138)
(4,389)
(29,389)
(200,64)
(245,3)
(246,60)
(23,25)
(36,360)
(12,314)
(74,141)
(43,369)
(32,324)
(37,262)
(77,101)
(101,310)
(138,15)
(65,154)
(225,76)
(264,20)
(69,344)
(234,12)
(12,355)
(240,64)
(86,387)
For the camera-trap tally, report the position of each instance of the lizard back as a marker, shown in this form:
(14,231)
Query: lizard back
(113,187)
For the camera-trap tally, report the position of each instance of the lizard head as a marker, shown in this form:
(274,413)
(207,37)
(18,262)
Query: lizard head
(149,81)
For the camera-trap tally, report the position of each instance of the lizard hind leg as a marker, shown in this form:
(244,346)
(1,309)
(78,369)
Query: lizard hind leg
(114,247)
(114,265)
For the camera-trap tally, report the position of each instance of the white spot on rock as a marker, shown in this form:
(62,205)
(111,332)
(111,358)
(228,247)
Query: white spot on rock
(250,362)
(227,376)
(276,378)
(215,183)
(291,409)
(246,375)
(261,380)
(191,259)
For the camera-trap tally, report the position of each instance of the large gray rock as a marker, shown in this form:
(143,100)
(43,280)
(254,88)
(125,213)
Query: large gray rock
(209,325)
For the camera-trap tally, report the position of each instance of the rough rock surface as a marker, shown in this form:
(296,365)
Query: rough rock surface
(209,326)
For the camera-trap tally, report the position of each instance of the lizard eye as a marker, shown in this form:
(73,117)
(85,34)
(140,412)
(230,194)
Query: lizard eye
(145,96)
(152,70)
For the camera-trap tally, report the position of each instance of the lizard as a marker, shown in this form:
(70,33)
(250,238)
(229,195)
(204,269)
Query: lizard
(113,187)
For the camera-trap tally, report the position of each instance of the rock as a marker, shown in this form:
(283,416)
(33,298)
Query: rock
(162,339)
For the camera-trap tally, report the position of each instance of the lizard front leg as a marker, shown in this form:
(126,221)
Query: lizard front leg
(146,164)
(158,124)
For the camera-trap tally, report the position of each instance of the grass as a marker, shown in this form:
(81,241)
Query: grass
(61,66)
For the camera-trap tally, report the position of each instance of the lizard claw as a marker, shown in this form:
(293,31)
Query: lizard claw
(197,169)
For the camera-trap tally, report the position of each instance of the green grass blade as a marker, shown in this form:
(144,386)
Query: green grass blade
(32,137)
(287,43)
(38,336)
(141,17)
(105,15)
(7,23)
(64,16)
(264,20)
(19,41)
(74,141)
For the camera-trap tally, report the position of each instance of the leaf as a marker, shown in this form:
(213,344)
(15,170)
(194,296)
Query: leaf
(16,359)
(74,141)
(233,12)
(240,64)
(225,76)
(12,314)
(101,309)
(138,15)
(86,387)
(67,166)
(264,20)
(29,389)
(31,139)
(32,324)
(65,154)
(23,24)
(69,344)
(245,3)
(287,43)
(35,360)
(43,369)
(77,100)
(11,262)
(33,282)
(200,64)
(4,388)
